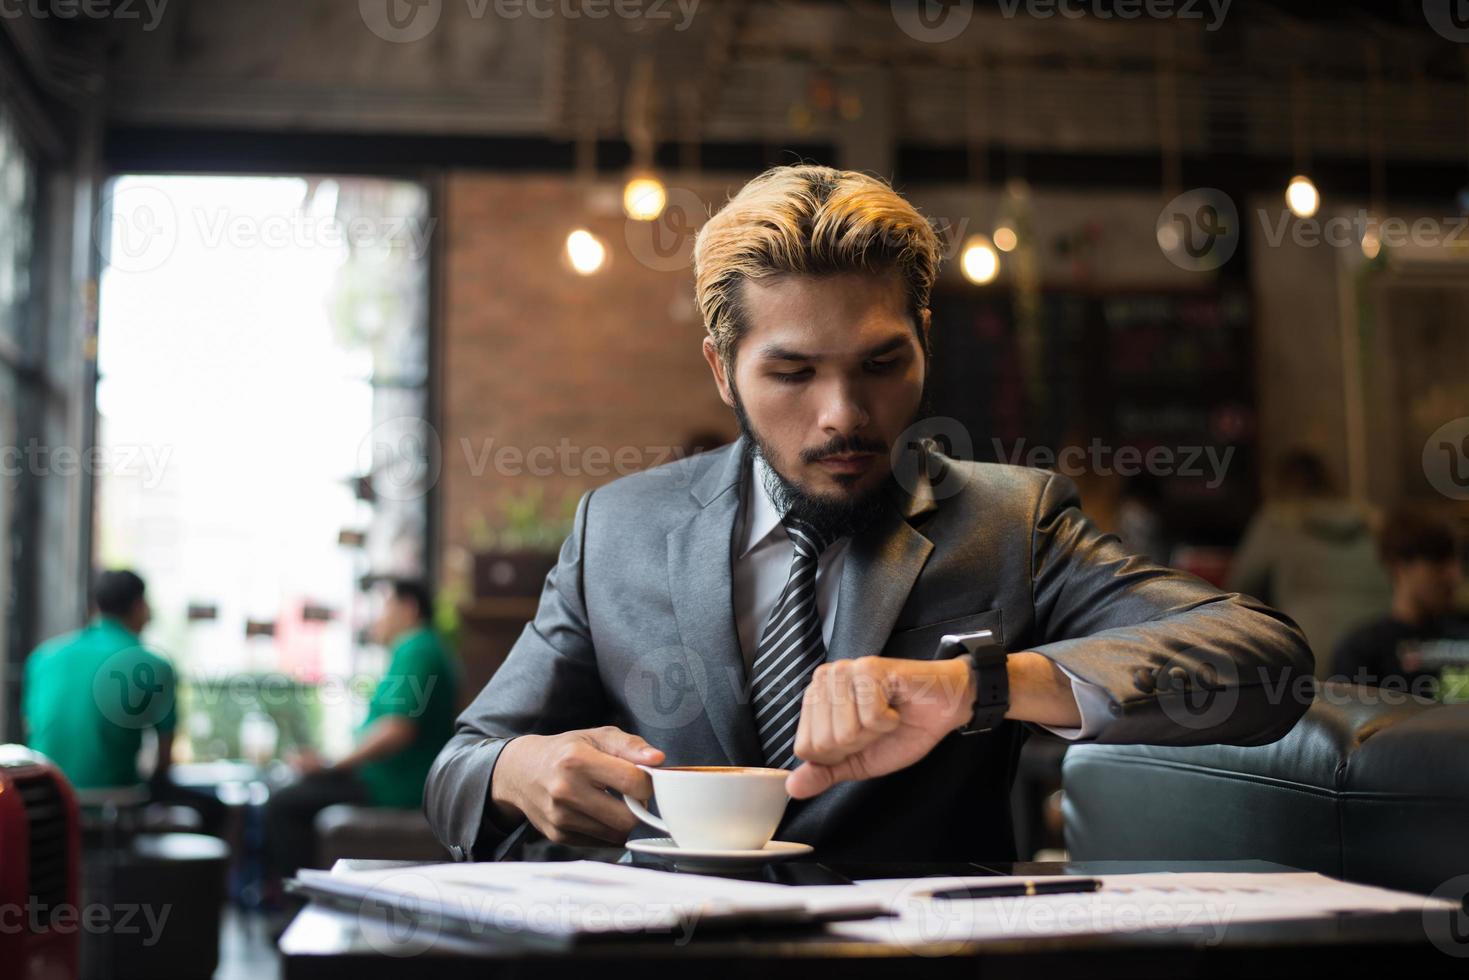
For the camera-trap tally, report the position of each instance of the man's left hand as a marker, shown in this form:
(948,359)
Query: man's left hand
(875,715)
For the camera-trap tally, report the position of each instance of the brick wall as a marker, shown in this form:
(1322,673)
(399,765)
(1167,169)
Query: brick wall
(534,354)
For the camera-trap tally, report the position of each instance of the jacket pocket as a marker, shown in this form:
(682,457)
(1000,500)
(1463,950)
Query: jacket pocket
(922,642)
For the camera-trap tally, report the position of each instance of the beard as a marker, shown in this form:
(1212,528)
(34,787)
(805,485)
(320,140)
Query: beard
(833,517)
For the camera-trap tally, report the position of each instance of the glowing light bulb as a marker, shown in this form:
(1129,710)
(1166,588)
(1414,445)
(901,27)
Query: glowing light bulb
(1302,197)
(643,198)
(585,251)
(980,261)
(1005,238)
(1371,244)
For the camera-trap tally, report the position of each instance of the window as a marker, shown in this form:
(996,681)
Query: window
(17,394)
(263,367)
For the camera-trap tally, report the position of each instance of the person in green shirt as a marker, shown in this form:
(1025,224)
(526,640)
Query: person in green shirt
(409,719)
(88,696)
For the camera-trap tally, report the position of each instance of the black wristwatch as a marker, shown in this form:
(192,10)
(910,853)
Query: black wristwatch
(986,658)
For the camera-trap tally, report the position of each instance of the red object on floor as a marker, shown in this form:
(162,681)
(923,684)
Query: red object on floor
(40,865)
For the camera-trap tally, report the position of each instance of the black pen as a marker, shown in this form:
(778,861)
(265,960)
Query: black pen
(1017,889)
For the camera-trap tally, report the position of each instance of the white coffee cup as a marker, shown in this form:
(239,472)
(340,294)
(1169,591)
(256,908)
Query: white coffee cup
(716,808)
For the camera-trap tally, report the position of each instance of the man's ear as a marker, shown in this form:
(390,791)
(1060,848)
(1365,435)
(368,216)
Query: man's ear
(716,367)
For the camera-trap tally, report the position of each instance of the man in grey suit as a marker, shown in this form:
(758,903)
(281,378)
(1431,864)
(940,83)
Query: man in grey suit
(782,601)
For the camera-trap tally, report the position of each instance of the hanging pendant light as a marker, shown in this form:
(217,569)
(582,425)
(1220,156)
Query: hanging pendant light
(979,260)
(1301,195)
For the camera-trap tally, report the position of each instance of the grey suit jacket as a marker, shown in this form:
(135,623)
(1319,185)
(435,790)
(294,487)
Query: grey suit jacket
(636,629)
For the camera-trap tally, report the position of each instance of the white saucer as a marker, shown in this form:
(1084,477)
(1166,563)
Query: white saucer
(664,847)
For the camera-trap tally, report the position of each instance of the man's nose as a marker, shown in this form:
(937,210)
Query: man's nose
(842,410)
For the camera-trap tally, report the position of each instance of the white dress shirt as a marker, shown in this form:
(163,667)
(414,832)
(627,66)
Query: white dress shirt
(762,565)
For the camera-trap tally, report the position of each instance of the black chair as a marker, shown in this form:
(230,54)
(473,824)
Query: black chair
(1370,786)
(169,885)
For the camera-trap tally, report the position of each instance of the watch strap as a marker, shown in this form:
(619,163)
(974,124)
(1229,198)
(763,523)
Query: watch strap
(991,690)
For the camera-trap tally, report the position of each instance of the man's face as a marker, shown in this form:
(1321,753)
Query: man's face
(398,617)
(141,616)
(827,375)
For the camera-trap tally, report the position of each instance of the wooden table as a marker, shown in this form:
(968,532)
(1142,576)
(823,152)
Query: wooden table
(327,942)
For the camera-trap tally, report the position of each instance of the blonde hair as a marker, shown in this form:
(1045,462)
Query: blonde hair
(809,220)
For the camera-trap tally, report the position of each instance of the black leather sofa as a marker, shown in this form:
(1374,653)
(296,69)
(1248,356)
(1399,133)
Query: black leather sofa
(1370,786)
(375,833)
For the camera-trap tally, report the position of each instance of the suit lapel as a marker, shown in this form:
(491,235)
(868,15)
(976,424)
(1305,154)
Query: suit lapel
(700,559)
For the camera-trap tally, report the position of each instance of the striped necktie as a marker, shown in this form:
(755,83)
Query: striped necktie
(790,649)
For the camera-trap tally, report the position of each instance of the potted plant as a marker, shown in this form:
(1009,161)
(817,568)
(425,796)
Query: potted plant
(515,551)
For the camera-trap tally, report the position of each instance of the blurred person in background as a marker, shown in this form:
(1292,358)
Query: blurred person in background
(1422,640)
(1309,553)
(1140,521)
(90,695)
(409,718)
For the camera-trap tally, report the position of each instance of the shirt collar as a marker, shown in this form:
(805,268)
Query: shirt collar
(110,624)
(761,515)
(410,634)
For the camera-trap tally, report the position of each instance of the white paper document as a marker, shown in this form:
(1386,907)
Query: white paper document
(574,899)
(578,898)
(1201,904)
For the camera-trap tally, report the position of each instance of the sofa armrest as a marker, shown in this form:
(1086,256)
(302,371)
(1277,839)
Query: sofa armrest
(1369,786)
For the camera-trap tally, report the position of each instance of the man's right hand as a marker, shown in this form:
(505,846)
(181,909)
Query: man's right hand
(559,783)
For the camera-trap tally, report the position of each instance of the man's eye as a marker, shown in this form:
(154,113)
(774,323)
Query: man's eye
(878,367)
(791,377)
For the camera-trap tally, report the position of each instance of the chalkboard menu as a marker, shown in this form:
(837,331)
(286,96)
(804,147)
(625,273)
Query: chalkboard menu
(1152,388)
